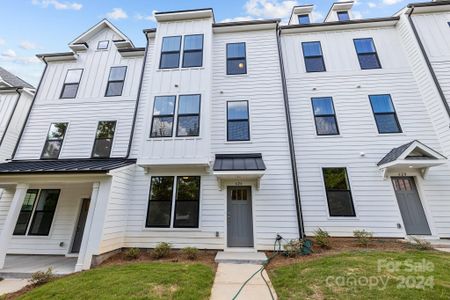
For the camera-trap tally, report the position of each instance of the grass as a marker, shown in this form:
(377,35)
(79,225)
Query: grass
(132,281)
(352,272)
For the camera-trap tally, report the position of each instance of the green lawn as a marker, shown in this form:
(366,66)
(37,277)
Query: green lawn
(132,281)
(356,275)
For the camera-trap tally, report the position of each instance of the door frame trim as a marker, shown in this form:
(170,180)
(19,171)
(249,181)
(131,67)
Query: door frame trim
(225,191)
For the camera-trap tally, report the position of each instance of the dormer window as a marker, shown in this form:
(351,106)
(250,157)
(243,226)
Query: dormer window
(102,45)
(343,15)
(304,20)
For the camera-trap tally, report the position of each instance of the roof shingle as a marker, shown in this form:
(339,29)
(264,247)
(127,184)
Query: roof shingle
(13,80)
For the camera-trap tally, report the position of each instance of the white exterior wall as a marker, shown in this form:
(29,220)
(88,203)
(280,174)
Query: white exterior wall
(374,198)
(88,108)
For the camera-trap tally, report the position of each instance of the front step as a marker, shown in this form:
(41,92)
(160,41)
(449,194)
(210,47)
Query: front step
(255,258)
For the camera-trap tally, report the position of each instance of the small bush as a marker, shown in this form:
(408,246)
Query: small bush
(421,244)
(161,250)
(190,253)
(293,248)
(40,277)
(363,237)
(132,253)
(322,238)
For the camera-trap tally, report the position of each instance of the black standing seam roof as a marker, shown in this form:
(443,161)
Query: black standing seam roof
(64,166)
(239,162)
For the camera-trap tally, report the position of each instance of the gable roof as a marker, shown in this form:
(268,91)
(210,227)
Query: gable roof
(13,80)
(407,150)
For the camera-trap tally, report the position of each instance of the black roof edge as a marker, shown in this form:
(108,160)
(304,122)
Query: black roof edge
(137,49)
(362,21)
(53,172)
(11,88)
(424,4)
(148,30)
(55,54)
(240,155)
(83,43)
(251,22)
(182,11)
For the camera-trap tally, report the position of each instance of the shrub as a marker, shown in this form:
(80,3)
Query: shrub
(421,244)
(40,277)
(190,253)
(363,237)
(322,238)
(293,248)
(161,250)
(132,253)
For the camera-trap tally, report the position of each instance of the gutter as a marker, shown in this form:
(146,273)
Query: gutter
(298,205)
(12,115)
(427,60)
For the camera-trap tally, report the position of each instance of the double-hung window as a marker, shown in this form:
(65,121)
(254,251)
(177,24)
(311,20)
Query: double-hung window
(339,195)
(367,54)
(193,51)
(163,116)
(116,81)
(188,122)
(304,20)
(71,83)
(170,52)
(236,59)
(343,15)
(42,212)
(312,52)
(238,125)
(384,113)
(325,116)
(185,196)
(54,142)
(103,139)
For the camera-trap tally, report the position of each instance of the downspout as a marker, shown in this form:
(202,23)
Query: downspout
(298,204)
(427,60)
(136,107)
(29,110)
(11,116)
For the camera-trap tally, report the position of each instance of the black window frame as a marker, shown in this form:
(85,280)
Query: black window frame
(188,115)
(61,96)
(305,58)
(35,211)
(116,81)
(54,140)
(237,58)
(325,115)
(359,55)
(147,225)
(343,12)
(193,51)
(164,116)
(170,52)
(178,200)
(239,120)
(102,41)
(304,16)
(348,191)
(27,224)
(97,139)
(385,113)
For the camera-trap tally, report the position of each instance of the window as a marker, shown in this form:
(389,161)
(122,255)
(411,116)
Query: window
(339,196)
(42,212)
(303,19)
(116,81)
(238,128)
(163,115)
(236,59)
(312,52)
(55,138)
(102,45)
(71,83)
(193,51)
(170,52)
(384,113)
(343,16)
(103,139)
(188,122)
(325,116)
(186,199)
(367,54)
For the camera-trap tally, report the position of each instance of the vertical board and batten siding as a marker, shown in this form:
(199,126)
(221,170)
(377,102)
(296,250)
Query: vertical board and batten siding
(359,147)
(274,208)
(89,106)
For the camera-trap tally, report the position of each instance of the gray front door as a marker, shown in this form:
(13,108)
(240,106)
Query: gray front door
(410,205)
(239,217)
(80,226)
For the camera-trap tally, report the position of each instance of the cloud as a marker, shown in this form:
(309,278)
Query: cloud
(372,4)
(9,53)
(391,2)
(357,14)
(117,14)
(27,45)
(147,18)
(270,8)
(316,16)
(2,42)
(239,19)
(58,4)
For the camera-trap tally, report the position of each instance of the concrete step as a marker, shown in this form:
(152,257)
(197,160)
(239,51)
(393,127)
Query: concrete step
(255,258)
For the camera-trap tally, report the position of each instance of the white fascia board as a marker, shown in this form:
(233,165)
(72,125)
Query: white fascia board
(245,27)
(184,15)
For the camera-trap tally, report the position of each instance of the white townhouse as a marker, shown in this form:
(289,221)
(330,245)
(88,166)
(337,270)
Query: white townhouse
(223,135)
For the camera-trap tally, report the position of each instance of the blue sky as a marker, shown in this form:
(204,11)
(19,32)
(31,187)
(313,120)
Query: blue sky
(45,26)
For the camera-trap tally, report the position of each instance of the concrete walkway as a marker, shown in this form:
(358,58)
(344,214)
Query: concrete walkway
(230,277)
(12,285)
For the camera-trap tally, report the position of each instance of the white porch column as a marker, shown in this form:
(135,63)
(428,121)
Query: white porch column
(11,220)
(84,259)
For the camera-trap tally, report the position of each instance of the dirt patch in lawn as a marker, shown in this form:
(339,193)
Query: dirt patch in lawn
(339,245)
